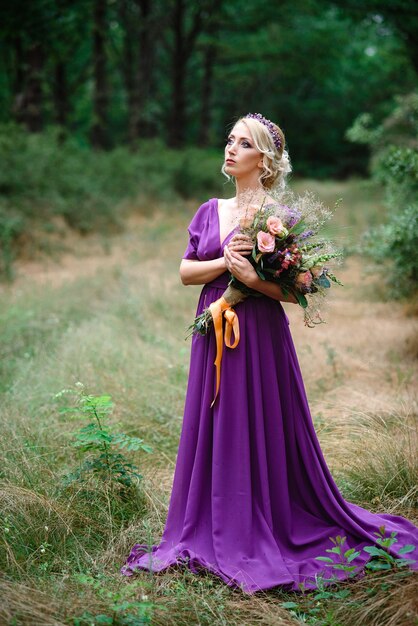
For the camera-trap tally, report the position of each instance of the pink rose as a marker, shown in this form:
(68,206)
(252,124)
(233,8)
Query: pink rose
(265,241)
(275,226)
(304,280)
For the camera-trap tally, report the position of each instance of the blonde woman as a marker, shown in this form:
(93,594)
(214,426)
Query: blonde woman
(253,500)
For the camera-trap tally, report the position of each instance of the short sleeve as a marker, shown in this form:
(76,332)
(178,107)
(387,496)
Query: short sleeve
(195,229)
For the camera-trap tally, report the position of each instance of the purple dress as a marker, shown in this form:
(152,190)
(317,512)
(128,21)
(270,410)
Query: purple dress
(253,500)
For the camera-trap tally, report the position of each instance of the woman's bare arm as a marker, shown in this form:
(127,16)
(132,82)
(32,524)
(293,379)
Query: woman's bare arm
(273,290)
(201,272)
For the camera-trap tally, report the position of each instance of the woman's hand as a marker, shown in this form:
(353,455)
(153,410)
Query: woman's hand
(239,266)
(241,244)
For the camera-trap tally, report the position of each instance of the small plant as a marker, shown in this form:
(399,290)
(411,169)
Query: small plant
(315,608)
(126,606)
(98,444)
(381,559)
(345,557)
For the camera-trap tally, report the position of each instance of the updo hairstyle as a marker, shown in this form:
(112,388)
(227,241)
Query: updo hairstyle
(276,162)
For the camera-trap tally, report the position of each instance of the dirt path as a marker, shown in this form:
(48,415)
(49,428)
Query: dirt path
(361,363)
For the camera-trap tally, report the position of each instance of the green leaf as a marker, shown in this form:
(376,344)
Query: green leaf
(260,273)
(344,593)
(289,605)
(323,595)
(406,549)
(334,278)
(324,558)
(377,566)
(298,228)
(301,299)
(344,567)
(353,556)
(336,550)
(374,551)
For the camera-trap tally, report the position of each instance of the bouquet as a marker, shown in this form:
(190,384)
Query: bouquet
(288,250)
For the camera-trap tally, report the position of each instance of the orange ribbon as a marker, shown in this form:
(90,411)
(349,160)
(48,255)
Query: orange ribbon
(218,308)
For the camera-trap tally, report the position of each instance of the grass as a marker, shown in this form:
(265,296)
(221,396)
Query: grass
(116,321)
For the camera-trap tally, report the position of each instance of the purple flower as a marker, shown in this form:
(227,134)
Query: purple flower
(293,215)
(306,234)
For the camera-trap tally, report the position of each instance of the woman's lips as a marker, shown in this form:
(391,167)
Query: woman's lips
(229,161)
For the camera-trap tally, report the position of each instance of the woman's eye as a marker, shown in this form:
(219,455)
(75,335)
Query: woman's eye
(245,144)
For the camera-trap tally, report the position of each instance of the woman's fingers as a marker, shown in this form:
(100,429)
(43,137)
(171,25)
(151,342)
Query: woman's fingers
(231,258)
(241,239)
(235,260)
(241,243)
(238,265)
(228,258)
(241,236)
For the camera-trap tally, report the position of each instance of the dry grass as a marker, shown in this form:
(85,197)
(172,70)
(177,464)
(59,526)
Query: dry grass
(396,606)
(116,320)
(22,604)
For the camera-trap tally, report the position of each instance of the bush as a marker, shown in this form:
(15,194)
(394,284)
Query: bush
(43,176)
(394,163)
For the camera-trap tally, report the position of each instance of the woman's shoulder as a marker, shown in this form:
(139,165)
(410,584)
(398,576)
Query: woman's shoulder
(205,207)
(202,213)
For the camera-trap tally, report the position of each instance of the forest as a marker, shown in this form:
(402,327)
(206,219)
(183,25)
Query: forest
(110,73)
(113,121)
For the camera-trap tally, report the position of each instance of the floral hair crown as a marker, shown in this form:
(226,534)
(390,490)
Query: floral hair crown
(268,124)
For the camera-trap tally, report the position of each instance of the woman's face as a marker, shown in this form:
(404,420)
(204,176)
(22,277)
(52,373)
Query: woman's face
(241,156)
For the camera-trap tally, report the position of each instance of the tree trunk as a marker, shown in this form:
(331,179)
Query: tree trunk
(100,96)
(205,111)
(33,96)
(129,26)
(18,80)
(139,24)
(145,65)
(180,57)
(61,99)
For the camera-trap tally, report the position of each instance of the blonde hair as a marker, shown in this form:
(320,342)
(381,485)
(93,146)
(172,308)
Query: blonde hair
(276,162)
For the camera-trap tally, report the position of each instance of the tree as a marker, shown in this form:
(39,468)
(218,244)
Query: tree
(402,15)
(188,21)
(99,138)
(141,23)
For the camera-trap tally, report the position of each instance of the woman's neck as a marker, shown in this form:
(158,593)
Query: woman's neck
(249,194)
(248,183)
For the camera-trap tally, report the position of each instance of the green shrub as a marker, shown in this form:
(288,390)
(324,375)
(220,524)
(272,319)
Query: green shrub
(11,226)
(394,249)
(394,164)
(44,176)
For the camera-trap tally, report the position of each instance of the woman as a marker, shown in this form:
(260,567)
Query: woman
(253,500)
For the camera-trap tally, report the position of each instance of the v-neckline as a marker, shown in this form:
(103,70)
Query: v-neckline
(222,243)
